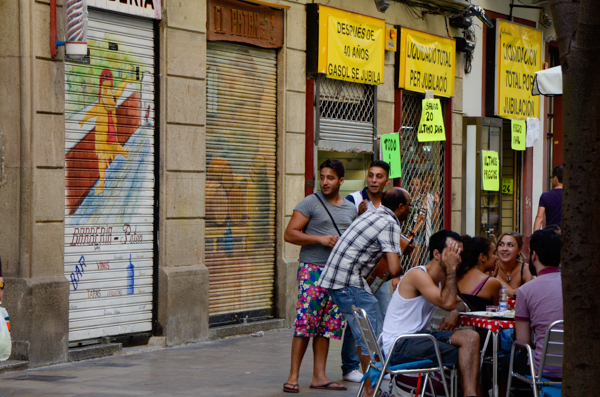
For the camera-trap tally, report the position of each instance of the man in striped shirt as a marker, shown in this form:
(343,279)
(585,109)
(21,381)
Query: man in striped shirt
(356,253)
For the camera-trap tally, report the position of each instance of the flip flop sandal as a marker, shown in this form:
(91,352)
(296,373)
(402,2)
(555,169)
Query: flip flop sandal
(328,386)
(291,389)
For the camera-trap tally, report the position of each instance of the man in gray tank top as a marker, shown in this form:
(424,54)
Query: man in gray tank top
(317,222)
(420,291)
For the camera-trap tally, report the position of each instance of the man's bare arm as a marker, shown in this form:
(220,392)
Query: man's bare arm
(539,218)
(523,331)
(446,298)
(295,235)
(393,264)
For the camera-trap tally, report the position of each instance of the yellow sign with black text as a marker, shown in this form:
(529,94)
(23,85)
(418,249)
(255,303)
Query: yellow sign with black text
(427,63)
(351,46)
(431,127)
(490,171)
(519,57)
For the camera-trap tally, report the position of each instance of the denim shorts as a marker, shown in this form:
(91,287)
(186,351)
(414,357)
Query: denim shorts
(410,350)
(345,298)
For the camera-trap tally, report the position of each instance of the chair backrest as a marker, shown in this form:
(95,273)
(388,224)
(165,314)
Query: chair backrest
(368,335)
(552,353)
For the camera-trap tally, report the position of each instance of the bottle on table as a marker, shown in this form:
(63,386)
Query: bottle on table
(503,302)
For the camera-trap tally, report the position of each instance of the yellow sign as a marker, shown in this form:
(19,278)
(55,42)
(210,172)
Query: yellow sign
(351,46)
(507,186)
(426,63)
(490,171)
(519,57)
(518,134)
(390,153)
(431,127)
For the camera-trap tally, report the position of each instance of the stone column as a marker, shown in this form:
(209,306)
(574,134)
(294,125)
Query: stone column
(183,277)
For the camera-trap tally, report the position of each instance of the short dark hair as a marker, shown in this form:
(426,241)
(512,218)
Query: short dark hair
(392,198)
(558,173)
(546,244)
(381,164)
(438,241)
(335,165)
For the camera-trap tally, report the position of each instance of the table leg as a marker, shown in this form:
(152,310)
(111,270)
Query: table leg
(495,364)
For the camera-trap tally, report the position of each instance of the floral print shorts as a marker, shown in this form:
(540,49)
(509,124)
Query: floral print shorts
(316,314)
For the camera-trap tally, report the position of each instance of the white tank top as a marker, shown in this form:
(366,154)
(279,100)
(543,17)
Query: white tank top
(405,316)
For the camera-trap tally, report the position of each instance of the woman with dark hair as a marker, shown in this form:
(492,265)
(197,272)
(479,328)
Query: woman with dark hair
(512,271)
(476,288)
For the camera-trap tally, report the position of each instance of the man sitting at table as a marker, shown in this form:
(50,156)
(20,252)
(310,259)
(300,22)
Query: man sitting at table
(539,302)
(420,291)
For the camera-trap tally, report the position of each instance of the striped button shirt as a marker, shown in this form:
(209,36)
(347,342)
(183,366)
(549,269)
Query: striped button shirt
(360,248)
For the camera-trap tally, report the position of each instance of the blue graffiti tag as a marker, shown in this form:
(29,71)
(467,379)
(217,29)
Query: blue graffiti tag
(130,280)
(78,273)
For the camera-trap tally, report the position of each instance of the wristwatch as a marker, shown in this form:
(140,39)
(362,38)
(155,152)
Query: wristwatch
(1,285)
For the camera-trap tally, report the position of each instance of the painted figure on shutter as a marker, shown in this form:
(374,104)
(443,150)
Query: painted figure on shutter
(107,145)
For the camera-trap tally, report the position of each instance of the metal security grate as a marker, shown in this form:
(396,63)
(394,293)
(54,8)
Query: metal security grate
(346,116)
(423,177)
(343,100)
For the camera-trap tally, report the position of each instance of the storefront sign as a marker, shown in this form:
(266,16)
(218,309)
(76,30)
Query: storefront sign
(517,135)
(507,186)
(519,56)
(426,62)
(490,171)
(141,8)
(390,153)
(431,127)
(236,21)
(351,46)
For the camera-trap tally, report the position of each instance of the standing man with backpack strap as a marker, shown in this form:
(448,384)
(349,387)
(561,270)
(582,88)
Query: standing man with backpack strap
(368,199)
(317,222)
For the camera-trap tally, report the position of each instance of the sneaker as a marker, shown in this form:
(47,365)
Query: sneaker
(353,376)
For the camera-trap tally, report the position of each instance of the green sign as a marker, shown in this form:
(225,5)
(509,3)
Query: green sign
(431,127)
(507,186)
(490,170)
(518,134)
(390,153)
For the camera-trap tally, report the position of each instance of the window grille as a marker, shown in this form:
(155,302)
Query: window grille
(346,115)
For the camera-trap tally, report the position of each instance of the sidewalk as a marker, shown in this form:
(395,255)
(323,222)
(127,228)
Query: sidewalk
(238,366)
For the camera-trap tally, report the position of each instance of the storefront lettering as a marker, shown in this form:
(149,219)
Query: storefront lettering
(429,54)
(248,24)
(428,81)
(131,238)
(519,107)
(91,236)
(355,31)
(516,53)
(137,3)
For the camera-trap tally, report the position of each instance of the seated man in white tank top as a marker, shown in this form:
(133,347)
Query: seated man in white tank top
(420,291)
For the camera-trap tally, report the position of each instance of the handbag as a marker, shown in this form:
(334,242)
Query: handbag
(5,343)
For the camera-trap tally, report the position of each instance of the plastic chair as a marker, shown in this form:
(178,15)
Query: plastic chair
(379,364)
(552,356)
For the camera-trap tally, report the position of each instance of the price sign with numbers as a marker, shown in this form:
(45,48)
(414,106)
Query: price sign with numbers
(390,153)
(507,186)
(431,127)
(518,134)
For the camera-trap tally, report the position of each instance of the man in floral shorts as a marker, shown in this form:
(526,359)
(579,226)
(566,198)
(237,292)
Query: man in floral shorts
(317,222)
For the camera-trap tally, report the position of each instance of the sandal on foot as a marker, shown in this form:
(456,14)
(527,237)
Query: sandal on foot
(293,389)
(330,386)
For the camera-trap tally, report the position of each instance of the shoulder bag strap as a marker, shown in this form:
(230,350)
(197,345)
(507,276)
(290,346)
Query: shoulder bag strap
(328,213)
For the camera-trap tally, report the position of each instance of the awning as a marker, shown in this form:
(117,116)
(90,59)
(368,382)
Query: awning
(548,82)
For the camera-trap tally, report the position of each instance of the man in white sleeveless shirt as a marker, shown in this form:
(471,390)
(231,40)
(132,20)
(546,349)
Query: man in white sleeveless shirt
(420,291)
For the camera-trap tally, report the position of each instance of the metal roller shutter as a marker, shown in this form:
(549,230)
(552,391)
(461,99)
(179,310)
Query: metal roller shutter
(109,161)
(240,183)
